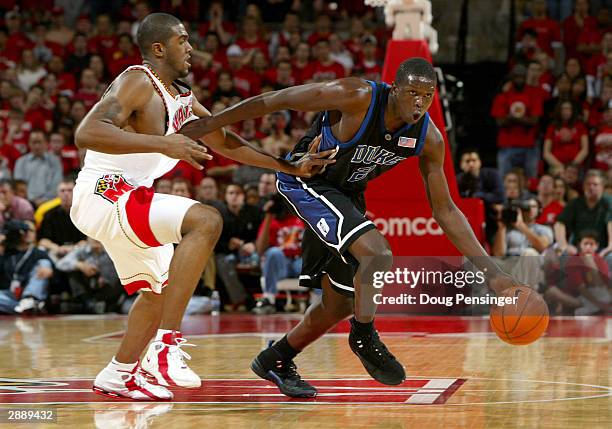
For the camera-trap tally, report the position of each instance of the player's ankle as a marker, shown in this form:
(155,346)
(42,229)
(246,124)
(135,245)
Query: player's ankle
(361,328)
(280,350)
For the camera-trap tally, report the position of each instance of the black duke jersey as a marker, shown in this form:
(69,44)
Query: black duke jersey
(372,151)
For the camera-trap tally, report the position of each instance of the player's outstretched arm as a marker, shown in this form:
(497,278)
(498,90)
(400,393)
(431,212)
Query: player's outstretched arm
(346,95)
(231,145)
(102,128)
(449,217)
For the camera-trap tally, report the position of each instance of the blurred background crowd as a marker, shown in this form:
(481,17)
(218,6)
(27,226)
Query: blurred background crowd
(547,184)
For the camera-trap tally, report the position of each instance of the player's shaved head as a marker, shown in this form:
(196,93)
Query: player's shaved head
(416,67)
(155,28)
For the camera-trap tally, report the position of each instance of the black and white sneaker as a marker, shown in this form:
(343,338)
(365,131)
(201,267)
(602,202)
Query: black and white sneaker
(264,306)
(282,373)
(376,358)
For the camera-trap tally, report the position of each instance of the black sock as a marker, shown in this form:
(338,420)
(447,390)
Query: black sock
(361,328)
(279,350)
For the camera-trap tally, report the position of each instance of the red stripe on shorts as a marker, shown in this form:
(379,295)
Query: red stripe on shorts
(133,287)
(137,209)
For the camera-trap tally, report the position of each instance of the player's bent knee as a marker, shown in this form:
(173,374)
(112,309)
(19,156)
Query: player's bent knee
(204,219)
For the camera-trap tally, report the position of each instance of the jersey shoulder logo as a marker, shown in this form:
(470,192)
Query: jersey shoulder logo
(181,116)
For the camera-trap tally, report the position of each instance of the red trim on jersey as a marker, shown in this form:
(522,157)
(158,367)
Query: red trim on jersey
(133,287)
(137,209)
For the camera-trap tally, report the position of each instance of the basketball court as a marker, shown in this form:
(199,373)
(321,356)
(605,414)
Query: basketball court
(459,375)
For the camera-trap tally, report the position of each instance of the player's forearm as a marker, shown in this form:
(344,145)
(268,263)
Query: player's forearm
(103,137)
(238,149)
(460,233)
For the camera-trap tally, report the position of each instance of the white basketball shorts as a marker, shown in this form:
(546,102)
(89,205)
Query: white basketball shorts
(136,226)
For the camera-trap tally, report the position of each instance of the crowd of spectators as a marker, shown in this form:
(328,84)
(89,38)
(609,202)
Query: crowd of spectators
(552,190)
(56,63)
(546,203)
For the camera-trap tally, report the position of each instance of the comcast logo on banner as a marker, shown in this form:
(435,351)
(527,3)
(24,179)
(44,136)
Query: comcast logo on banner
(404,226)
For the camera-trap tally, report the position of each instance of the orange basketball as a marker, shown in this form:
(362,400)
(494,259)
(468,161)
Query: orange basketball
(523,321)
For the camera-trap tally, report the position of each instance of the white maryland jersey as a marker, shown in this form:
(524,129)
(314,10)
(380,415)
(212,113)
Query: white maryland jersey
(141,169)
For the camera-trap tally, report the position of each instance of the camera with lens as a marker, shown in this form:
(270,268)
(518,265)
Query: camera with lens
(509,213)
(13,232)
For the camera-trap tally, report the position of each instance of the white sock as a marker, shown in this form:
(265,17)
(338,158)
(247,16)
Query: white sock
(122,366)
(270,296)
(161,332)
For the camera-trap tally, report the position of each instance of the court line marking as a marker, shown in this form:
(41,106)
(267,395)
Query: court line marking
(607,389)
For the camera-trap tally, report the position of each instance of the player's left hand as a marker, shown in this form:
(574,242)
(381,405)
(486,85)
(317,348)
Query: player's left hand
(313,161)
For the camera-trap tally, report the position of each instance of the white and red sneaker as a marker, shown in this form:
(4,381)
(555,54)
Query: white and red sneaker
(165,361)
(117,381)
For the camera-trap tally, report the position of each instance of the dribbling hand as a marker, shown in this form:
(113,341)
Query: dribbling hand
(178,146)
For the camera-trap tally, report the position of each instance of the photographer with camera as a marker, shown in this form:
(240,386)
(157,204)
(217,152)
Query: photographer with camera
(279,243)
(521,241)
(25,270)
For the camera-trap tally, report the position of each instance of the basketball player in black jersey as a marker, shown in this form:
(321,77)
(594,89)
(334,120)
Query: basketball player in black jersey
(372,127)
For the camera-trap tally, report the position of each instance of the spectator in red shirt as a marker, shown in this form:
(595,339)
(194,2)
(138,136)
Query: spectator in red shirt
(355,41)
(282,76)
(566,140)
(323,29)
(551,206)
(302,66)
(124,56)
(246,81)
(217,24)
(548,31)
(589,41)
(324,68)
(96,63)
(88,93)
(517,113)
(603,142)
(105,40)
(250,38)
(66,81)
(8,153)
(533,82)
(278,242)
(17,131)
(36,114)
(575,24)
(291,24)
(368,66)
(212,46)
(17,40)
(67,154)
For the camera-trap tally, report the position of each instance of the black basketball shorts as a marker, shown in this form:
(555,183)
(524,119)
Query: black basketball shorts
(334,221)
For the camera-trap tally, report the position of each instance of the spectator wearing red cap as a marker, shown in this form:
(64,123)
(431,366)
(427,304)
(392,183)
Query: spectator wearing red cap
(59,32)
(17,40)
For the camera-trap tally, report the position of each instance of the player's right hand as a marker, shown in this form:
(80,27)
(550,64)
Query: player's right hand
(178,146)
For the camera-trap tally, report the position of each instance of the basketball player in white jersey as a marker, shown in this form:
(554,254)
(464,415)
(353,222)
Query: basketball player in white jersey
(131,137)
